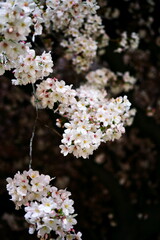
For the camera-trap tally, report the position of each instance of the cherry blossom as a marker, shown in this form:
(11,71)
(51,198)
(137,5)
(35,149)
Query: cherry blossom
(47,209)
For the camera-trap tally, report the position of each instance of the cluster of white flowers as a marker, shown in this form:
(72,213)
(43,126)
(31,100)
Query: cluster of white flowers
(91,118)
(81,26)
(128,43)
(100,77)
(9,54)
(128,81)
(51,91)
(16,19)
(84,33)
(68,13)
(124,83)
(47,209)
(84,51)
(116,83)
(31,68)
(77,20)
(87,115)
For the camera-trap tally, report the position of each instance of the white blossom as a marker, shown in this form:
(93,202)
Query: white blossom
(44,211)
(91,117)
(128,43)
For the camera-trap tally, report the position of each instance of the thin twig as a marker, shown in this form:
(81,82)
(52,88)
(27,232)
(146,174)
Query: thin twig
(34,128)
(52,129)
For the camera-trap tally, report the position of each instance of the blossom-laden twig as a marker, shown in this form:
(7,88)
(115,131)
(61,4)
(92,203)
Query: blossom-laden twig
(47,209)
(90,117)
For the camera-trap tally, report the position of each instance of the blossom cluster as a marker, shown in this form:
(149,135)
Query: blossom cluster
(9,54)
(69,13)
(127,83)
(100,77)
(52,91)
(82,28)
(94,119)
(31,68)
(83,31)
(91,118)
(84,49)
(115,83)
(47,209)
(128,43)
(16,18)
(81,25)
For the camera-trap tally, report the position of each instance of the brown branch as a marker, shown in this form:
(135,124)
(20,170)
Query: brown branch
(52,129)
